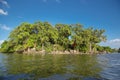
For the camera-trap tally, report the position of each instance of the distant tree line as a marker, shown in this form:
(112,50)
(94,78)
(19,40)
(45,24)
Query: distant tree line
(119,50)
(61,37)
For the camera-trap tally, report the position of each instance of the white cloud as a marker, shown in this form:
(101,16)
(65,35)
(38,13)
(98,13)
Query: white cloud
(4,3)
(1,41)
(115,41)
(2,12)
(4,27)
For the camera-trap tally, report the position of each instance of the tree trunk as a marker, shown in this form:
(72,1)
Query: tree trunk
(90,50)
(42,46)
(35,45)
(28,50)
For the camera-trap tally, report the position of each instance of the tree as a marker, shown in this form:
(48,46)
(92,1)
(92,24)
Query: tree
(96,36)
(64,32)
(6,46)
(76,36)
(104,49)
(44,36)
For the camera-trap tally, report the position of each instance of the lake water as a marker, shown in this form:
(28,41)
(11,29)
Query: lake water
(59,67)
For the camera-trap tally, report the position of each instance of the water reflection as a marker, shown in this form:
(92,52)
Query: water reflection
(52,67)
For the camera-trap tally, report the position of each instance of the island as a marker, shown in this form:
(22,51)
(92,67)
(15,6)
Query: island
(43,37)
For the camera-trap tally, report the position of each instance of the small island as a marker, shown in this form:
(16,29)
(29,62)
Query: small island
(42,37)
(59,39)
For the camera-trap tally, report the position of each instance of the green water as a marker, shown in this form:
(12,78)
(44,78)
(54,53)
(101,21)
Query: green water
(50,67)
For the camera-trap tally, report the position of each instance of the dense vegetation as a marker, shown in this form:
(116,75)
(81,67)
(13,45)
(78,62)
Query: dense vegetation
(119,50)
(61,37)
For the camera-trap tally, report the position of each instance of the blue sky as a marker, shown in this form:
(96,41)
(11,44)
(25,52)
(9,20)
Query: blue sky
(101,14)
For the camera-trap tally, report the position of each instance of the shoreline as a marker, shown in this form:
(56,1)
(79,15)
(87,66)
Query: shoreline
(59,52)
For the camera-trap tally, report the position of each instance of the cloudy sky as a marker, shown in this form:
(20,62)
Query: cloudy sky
(101,14)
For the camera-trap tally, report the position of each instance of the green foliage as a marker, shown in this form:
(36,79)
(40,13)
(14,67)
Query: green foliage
(6,47)
(106,49)
(42,35)
(119,50)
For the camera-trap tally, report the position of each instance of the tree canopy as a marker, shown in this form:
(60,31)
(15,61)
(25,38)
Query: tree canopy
(44,36)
